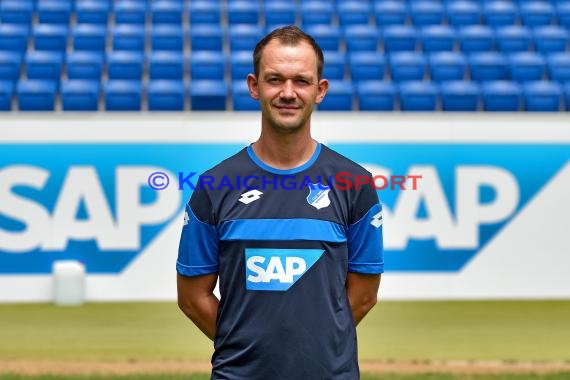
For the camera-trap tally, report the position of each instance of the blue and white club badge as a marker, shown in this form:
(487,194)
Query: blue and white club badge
(318,196)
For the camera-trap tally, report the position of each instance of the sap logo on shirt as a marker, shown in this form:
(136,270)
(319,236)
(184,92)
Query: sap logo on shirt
(277,269)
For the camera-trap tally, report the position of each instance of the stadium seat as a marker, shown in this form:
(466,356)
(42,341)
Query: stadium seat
(44,65)
(339,96)
(130,12)
(549,39)
(129,37)
(418,96)
(166,65)
(513,38)
(166,95)
(447,66)
(16,12)
(244,37)
(335,67)
(376,96)
(243,12)
(208,95)
(36,95)
(559,67)
(390,12)
(423,12)
(6,95)
(563,14)
(123,95)
(280,13)
(500,13)
(125,65)
(353,13)
(316,12)
(459,96)
(327,36)
(10,66)
(54,12)
(92,12)
(407,66)
(89,37)
(536,13)
(166,12)
(241,64)
(476,38)
(207,65)
(80,95)
(167,37)
(438,38)
(206,37)
(501,96)
(14,37)
(488,66)
(462,13)
(567,92)
(526,66)
(241,99)
(367,66)
(205,12)
(50,37)
(84,65)
(399,38)
(361,38)
(542,96)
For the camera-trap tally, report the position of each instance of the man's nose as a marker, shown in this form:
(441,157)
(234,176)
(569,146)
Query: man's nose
(288,90)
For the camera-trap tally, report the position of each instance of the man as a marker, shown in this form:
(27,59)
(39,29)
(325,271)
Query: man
(298,260)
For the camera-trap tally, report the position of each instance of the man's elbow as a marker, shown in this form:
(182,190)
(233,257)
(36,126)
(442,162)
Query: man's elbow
(369,302)
(186,307)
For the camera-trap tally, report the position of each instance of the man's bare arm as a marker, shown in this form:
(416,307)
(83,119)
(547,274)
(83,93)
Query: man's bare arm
(362,292)
(197,300)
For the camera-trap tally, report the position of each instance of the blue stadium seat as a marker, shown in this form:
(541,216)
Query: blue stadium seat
(476,38)
(244,37)
(513,38)
(125,65)
(84,65)
(50,37)
(123,95)
(335,65)
(166,65)
(207,65)
(92,12)
(438,38)
(542,96)
(567,92)
(36,95)
(166,95)
(399,38)
(339,96)
(376,95)
(129,37)
(44,65)
(243,12)
(563,14)
(390,12)
(205,12)
(407,66)
(241,99)
(559,67)
(166,12)
(549,39)
(241,64)
(488,66)
(499,13)
(353,13)
(423,12)
(80,95)
(501,96)
(167,37)
(208,95)
(14,37)
(280,13)
(54,12)
(130,12)
(536,13)
(461,13)
(91,37)
(447,66)
(16,12)
(316,12)
(459,96)
(361,38)
(367,66)
(6,95)
(10,66)
(526,66)
(206,37)
(418,96)
(327,36)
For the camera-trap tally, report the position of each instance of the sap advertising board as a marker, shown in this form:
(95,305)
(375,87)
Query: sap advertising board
(486,216)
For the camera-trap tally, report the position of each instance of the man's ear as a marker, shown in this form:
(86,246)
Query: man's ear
(322,89)
(252,84)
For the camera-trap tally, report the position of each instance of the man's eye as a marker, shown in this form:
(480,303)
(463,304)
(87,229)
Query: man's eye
(274,80)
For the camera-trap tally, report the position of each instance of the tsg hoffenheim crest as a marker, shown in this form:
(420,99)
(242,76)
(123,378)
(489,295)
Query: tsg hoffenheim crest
(318,196)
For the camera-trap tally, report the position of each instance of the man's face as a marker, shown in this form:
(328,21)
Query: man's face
(288,86)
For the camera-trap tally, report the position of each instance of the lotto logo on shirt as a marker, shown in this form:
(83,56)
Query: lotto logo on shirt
(277,269)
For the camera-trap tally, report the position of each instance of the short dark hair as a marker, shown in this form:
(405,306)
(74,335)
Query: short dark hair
(292,36)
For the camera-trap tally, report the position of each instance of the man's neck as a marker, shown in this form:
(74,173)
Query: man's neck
(284,151)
